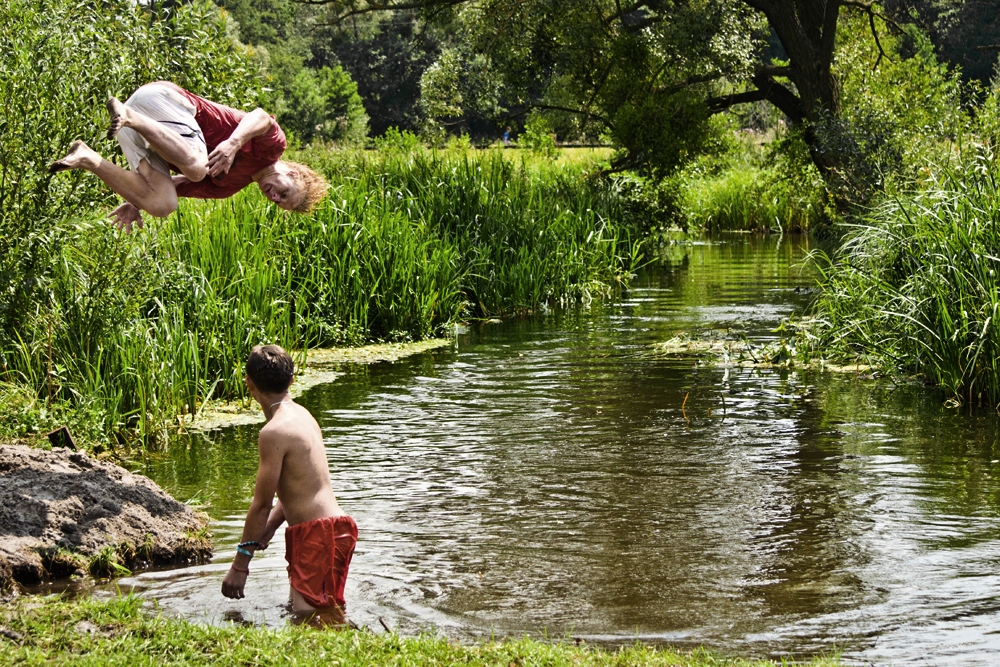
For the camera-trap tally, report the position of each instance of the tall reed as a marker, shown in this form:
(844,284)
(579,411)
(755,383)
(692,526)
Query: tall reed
(143,327)
(915,286)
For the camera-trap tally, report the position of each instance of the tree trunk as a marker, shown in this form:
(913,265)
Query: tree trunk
(808,31)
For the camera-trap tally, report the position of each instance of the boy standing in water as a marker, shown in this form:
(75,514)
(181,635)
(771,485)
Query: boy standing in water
(320,538)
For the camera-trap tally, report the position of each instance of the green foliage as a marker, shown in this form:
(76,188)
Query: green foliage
(62,60)
(262,22)
(397,141)
(323,105)
(865,146)
(440,92)
(900,112)
(387,55)
(987,122)
(142,328)
(537,137)
(106,563)
(600,70)
(524,234)
(914,289)
(649,204)
(758,182)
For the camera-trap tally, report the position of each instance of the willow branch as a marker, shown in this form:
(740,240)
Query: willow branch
(869,9)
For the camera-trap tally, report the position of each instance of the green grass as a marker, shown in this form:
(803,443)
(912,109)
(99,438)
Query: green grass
(914,288)
(746,198)
(750,187)
(54,631)
(124,332)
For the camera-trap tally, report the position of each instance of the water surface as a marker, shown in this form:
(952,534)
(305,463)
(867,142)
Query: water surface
(554,477)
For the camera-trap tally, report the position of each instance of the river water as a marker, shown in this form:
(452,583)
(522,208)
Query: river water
(554,477)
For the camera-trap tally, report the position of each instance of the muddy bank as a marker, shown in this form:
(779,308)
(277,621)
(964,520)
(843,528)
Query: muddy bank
(63,513)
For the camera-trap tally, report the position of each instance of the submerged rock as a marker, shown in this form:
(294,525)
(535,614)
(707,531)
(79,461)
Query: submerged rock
(61,511)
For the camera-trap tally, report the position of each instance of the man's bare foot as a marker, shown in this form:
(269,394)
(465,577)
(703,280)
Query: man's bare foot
(119,114)
(76,158)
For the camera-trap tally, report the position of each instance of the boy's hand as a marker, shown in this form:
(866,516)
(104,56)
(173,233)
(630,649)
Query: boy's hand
(222,157)
(266,538)
(125,215)
(233,584)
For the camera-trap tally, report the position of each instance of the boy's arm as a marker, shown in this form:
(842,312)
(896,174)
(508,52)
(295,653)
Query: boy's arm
(274,520)
(255,527)
(254,124)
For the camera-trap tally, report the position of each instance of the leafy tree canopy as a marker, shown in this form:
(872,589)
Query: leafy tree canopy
(649,73)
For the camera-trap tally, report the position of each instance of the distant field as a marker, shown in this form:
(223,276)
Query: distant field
(568,155)
(575,155)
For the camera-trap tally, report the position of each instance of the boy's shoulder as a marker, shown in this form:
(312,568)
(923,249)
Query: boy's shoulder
(292,426)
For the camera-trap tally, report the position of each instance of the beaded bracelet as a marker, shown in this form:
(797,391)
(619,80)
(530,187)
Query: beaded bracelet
(244,544)
(243,551)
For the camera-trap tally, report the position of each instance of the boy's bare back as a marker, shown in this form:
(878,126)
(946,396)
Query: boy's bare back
(303,488)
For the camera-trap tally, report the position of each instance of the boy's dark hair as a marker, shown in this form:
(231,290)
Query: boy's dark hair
(270,368)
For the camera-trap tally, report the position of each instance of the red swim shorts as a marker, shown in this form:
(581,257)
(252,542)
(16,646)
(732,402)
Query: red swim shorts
(319,554)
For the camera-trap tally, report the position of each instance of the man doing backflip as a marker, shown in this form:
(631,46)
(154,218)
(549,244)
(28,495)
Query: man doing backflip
(216,150)
(320,538)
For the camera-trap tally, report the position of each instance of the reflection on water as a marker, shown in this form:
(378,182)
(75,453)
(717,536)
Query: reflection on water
(546,475)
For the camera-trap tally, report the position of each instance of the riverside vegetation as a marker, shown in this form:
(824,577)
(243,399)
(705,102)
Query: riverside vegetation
(118,632)
(114,335)
(127,331)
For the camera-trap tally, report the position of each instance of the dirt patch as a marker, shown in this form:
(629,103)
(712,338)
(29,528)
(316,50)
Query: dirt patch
(62,511)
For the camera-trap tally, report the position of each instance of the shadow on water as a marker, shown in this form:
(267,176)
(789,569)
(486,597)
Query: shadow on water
(547,476)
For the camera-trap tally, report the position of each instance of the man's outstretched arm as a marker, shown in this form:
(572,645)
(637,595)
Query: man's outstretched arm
(257,522)
(254,124)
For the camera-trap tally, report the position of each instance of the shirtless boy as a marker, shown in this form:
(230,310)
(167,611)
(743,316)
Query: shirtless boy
(320,538)
(216,150)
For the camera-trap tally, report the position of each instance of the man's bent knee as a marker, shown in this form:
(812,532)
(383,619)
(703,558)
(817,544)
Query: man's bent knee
(162,210)
(162,205)
(195,172)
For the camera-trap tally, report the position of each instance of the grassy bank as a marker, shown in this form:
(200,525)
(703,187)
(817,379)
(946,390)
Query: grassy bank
(122,333)
(760,182)
(87,632)
(914,287)
(754,181)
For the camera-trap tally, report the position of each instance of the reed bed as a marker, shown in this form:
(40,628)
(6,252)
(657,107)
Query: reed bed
(747,198)
(914,288)
(128,331)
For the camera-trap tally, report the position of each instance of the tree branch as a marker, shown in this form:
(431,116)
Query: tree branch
(828,43)
(350,9)
(777,70)
(579,112)
(868,9)
(723,102)
(766,6)
(684,83)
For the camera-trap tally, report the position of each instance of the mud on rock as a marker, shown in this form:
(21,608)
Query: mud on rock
(60,509)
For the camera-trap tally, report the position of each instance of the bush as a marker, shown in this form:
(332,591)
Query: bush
(323,106)
(538,138)
(397,141)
